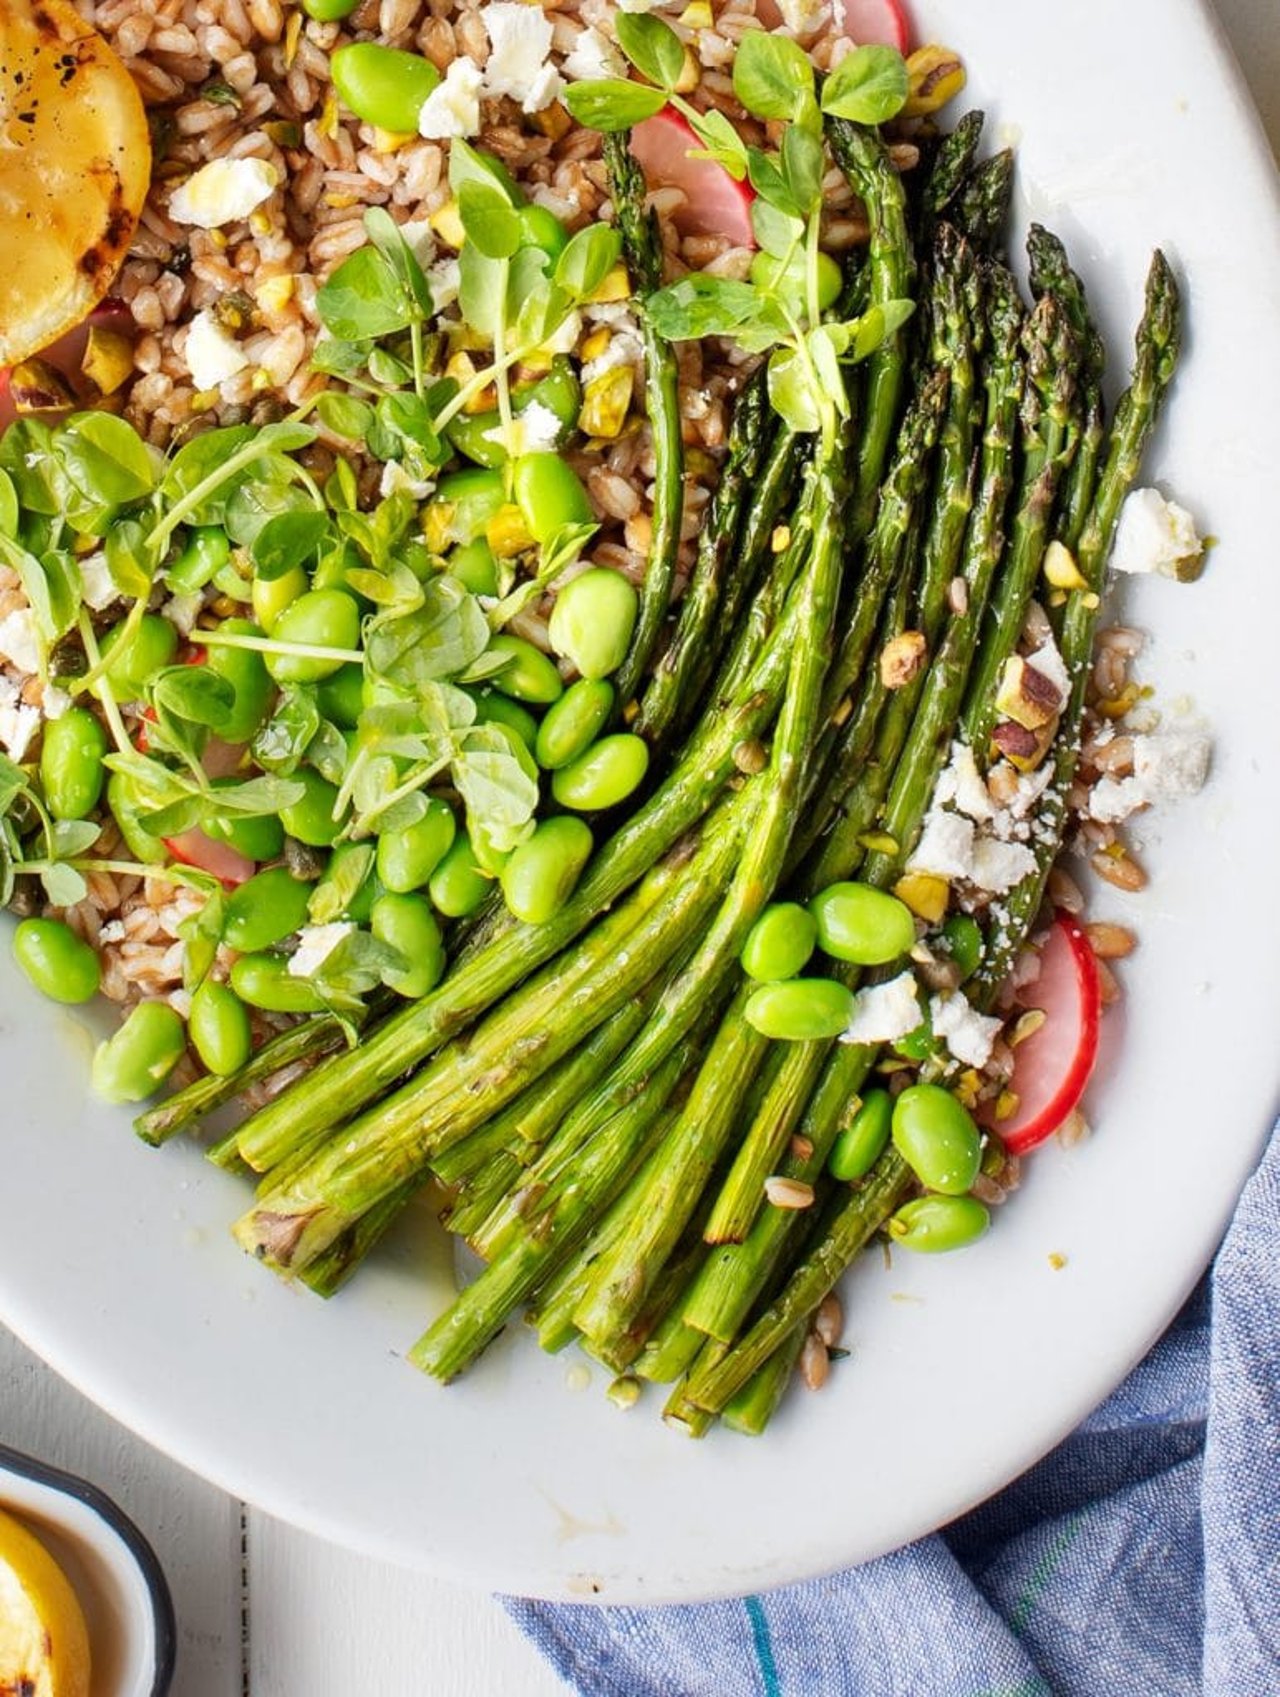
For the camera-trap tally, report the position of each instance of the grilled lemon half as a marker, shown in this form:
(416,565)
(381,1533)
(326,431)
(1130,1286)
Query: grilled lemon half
(44,1644)
(75,164)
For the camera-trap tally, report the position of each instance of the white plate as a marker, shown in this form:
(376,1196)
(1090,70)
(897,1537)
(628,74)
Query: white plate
(116,1263)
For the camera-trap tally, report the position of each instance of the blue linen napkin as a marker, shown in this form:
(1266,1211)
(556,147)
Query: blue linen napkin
(1140,1559)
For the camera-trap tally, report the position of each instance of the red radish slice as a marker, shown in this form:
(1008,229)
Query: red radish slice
(715,205)
(194,848)
(1052,1066)
(867,23)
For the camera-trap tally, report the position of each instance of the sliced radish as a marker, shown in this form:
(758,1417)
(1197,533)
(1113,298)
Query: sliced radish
(867,23)
(715,205)
(1052,1066)
(194,848)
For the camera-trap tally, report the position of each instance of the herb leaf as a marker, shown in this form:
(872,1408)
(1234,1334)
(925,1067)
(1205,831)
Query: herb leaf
(610,104)
(772,75)
(652,46)
(869,86)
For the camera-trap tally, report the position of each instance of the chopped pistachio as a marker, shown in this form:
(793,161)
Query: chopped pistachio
(925,894)
(935,75)
(606,401)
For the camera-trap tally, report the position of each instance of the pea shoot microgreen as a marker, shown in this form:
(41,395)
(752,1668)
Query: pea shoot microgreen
(779,312)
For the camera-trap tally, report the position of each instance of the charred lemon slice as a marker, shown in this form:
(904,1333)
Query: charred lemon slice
(44,1644)
(75,164)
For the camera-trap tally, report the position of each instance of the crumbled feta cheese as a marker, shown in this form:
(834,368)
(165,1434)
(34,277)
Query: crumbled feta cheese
(418,234)
(625,348)
(593,56)
(884,1012)
(315,944)
(444,279)
(946,846)
(223,191)
(453,106)
(1027,792)
(96,587)
(802,17)
(396,481)
(536,430)
(1165,767)
(18,724)
(182,611)
(968,1034)
(998,866)
(962,785)
(212,355)
(18,640)
(1049,663)
(1154,535)
(55,703)
(520,38)
(112,932)
(637,5)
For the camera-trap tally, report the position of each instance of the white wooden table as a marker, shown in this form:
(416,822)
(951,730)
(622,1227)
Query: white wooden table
(268,1611)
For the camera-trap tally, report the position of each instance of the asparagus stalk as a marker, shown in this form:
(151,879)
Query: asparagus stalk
(642,248)
(982,211)
(750,1410)
(1157,345)
(1051,273)
(329,1272)
(680,676)
(861,1215)
(951,166)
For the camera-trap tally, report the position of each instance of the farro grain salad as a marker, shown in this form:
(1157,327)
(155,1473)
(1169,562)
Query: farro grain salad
(551,592)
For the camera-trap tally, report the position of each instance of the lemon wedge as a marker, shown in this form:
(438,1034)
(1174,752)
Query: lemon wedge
(44,1643)
(75,165)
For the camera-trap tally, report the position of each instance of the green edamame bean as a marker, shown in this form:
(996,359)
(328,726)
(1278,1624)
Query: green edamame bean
(592,621)
(859,923)
(135,659)
(768,272)
(264,981)
(272,597)
(383,85)
(71,769)
(494,708)
(207,551)
(475,566)
(934,1224)
(310,819)
(527,675)
(257,837)
(800,1010)
(572,724)
(780,942)
(137,1059)
(542,873)
(549,494)
(340,697)
(406,858)
(60,965)
(559,391)
(935,1135)
(264,910)
(458,886)
(329,11)
(472,497)
(605,775)
(542,229)
(408,924)
(861,1143)
(126,805)
(246,672)
(322,618)
(961,937)
(219,1028)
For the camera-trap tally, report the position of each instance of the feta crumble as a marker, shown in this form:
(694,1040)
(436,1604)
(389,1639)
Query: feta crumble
(212,355)
(998,866)
(946,846)
(18,722)
(55,703)
(565,339)
(18,640)
(315,944)
(1049,663)
(625,348)
(222,192)
(453,106)
(520,39)
(182,611)
(802,17)
(444,279)
(593,57)
(96,588)
(536,430)
(884,1012)
(963,786)
(1166,766)
(970,1035)
(1154,535)
(396,481)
